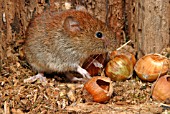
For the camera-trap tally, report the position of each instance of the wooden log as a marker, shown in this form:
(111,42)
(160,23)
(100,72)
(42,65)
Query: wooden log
(148,25)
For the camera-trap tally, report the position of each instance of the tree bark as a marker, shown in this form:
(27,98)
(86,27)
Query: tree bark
(149,24)
(14,19)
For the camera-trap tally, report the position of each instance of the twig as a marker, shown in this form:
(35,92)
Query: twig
(123,45)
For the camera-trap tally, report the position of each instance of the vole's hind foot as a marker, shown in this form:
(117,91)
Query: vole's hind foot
(39,76)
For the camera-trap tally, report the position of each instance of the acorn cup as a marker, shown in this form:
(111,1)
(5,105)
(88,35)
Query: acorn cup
(161,88)
(119,68)
(98,89)
(150,66)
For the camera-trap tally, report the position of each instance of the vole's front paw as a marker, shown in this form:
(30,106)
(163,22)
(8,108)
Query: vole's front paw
(83,72)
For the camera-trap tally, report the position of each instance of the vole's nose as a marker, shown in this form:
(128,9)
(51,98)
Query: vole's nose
(106,42)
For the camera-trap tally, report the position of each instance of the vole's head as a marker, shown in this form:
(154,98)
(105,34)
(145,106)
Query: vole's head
(88,33)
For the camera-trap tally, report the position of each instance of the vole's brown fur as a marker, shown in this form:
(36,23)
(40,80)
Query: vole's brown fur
(59,42)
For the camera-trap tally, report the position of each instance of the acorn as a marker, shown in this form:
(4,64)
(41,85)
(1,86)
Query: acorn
(119,68)
(160,89)
(150,66)
(98,89)
(127,54)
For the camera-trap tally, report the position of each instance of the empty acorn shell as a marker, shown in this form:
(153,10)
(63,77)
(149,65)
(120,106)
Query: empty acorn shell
(94,64)
(99,88)
(161,88)
(150,66)
(119,68)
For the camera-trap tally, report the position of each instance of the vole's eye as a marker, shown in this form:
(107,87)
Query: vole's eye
(99,34)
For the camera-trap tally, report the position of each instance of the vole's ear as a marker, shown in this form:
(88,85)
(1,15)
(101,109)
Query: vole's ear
(71,25)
